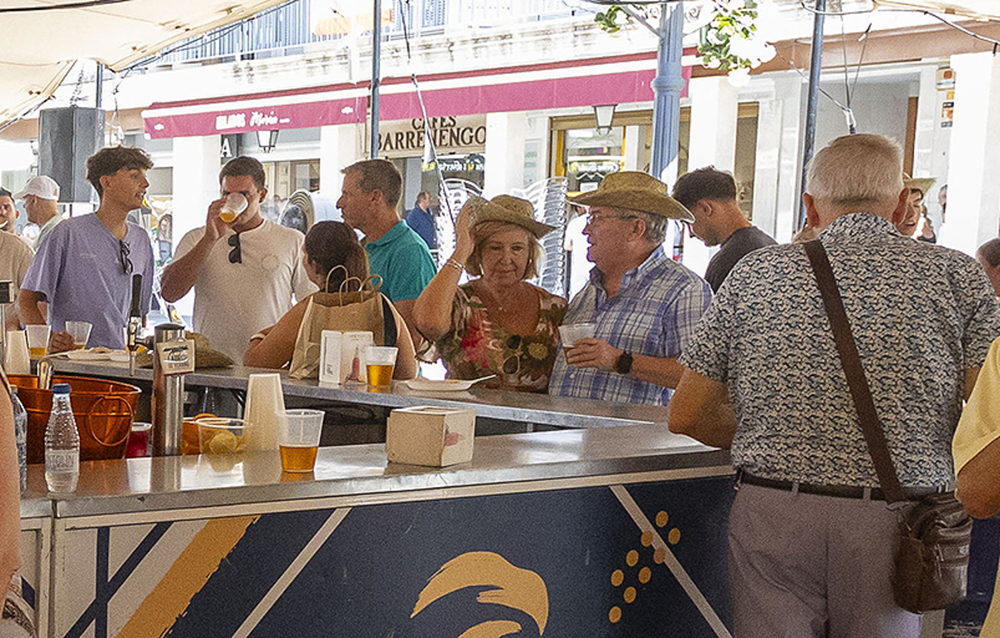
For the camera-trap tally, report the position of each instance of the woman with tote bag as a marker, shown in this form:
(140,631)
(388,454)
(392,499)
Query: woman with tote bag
(336,262)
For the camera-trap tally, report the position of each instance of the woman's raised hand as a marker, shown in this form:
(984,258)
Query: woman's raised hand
(464,241)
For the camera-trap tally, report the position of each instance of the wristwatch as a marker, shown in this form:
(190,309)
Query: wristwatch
(623,365)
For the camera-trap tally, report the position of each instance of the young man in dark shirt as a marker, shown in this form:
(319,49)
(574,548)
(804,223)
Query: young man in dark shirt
(710,195)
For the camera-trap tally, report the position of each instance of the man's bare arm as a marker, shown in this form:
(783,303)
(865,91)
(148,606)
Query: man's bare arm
(700,409)
(30,307)
(596,353)
(179,277)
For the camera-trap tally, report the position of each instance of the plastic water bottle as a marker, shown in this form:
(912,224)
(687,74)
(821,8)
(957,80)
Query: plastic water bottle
(21,434)
(62,443)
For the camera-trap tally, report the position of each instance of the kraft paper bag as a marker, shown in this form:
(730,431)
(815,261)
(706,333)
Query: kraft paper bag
(361,310)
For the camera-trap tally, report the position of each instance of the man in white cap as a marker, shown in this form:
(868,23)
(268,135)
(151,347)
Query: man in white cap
(645,306)
(40,196)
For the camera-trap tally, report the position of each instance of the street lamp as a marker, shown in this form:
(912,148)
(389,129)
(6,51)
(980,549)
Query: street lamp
(267,140)
(605,115)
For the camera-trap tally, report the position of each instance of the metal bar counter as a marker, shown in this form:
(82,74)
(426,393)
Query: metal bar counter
(523,407)
(597,532)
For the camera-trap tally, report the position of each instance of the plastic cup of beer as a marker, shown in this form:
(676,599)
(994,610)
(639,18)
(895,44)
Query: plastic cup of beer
(298,439)
(569,333)
(381,361)
(38,340)
(235,204)
(80,331)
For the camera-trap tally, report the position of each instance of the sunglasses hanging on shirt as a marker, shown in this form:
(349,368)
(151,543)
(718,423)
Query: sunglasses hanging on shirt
(236,254)
(123,256)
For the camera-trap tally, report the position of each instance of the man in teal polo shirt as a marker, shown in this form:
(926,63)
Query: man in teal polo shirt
(368,201)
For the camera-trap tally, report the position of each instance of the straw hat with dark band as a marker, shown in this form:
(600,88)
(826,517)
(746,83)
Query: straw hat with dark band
(507,209)
(922,184)
(635,190)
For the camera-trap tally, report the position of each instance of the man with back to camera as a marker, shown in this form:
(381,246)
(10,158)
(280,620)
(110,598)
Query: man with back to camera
(421,221)
(371,191)
(244,272)
(84,267)
(710,195)
(41,197)
(644,304)
(811,539)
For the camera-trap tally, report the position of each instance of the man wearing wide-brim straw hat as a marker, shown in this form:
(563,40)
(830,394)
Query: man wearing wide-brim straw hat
(644,306)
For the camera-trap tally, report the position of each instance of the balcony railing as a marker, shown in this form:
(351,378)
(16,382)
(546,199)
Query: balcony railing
(288,28)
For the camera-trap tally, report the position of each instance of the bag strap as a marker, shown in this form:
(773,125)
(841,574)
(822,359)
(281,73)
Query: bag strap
(856,380)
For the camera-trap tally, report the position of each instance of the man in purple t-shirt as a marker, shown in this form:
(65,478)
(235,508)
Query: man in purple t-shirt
(84,268)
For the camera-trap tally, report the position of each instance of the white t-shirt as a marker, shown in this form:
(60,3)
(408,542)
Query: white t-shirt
(232,302)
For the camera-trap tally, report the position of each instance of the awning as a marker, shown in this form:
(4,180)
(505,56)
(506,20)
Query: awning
(617,80)
(965,8)
(43,38)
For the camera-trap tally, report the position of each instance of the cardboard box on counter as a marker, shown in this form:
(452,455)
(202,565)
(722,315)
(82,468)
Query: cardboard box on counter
(424,435)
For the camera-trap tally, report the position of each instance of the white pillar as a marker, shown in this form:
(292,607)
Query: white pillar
(339,146)
(195,185)
(505,137)
(777,169)
(714,113)
(973,189)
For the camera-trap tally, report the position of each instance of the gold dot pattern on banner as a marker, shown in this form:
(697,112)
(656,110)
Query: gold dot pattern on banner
(661,519)
(632,558)
(659,555)
(617,577)
(644,575)
(674,537)
(647,539)
(615,614)
(629,595)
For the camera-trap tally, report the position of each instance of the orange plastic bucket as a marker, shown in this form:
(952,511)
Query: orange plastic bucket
(103,411)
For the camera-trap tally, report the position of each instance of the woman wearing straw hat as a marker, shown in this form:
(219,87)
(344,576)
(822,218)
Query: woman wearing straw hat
(497,323)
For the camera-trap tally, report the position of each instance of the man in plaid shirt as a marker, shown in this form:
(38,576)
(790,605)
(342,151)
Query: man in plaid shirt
(645,305)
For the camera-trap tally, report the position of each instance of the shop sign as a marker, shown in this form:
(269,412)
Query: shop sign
(469,164)
(453,134)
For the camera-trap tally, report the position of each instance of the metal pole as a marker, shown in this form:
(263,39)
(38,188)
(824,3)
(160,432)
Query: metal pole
(98,93)
(667,87)
(815,66)
(376,72)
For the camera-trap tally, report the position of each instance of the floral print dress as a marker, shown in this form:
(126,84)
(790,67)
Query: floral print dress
(477,347)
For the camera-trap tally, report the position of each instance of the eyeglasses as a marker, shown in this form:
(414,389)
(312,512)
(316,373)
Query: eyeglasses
(596,217)
(236,254)
(123,253)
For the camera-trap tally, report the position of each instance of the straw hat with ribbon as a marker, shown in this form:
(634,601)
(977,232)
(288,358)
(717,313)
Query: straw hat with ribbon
(635,190)
(922,184)
(507,209)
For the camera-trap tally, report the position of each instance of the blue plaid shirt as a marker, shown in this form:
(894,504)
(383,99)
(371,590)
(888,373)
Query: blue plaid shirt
(654,313)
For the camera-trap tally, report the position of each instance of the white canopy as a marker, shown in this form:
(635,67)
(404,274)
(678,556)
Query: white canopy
(961,8)
(41,39)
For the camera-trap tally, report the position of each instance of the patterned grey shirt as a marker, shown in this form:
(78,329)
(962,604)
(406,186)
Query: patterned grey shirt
(921,315)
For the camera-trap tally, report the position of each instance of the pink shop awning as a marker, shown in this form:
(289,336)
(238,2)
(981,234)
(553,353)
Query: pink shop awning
(618,80)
